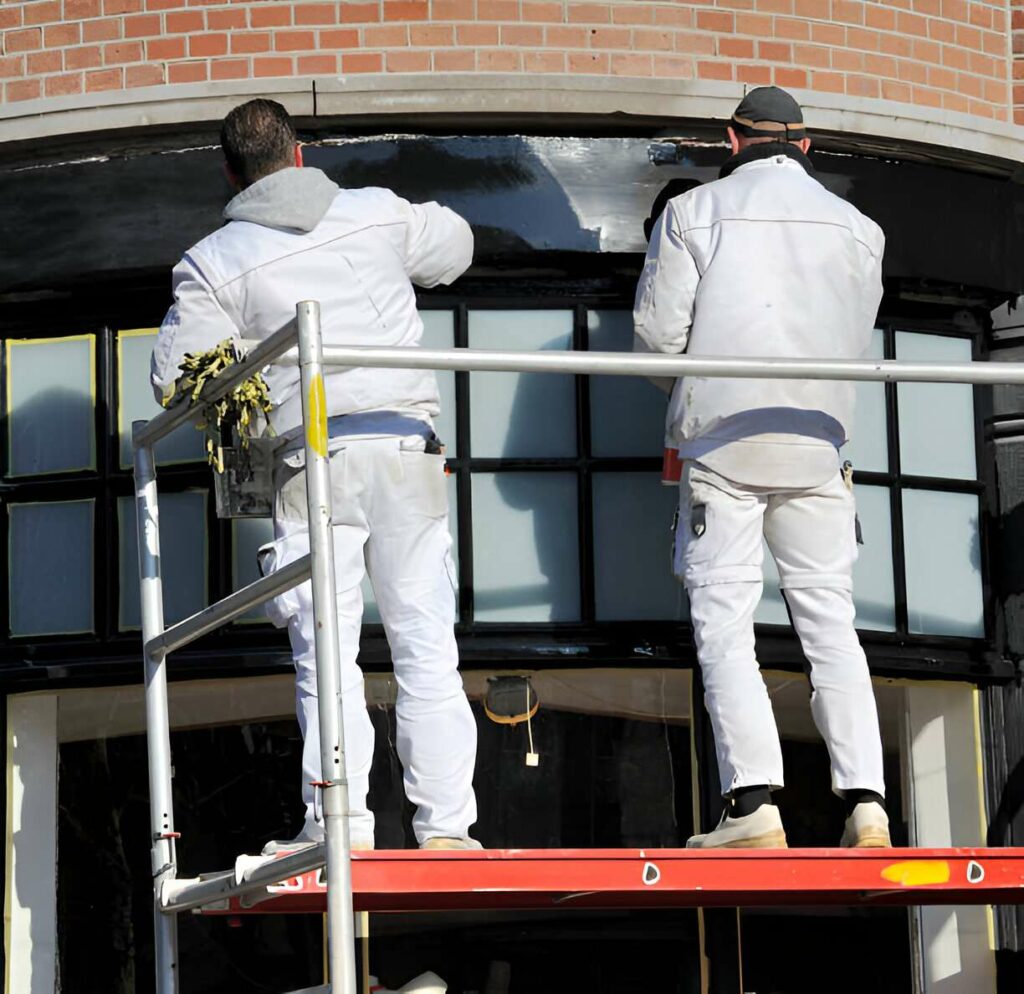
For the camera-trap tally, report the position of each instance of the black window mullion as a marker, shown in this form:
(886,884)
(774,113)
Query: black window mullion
(899,559)
(584,480)
(106,548)
(463,479)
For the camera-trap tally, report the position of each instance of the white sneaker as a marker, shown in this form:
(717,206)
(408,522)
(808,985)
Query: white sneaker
(760,830)
(867,827)
(442,842)
(306,840)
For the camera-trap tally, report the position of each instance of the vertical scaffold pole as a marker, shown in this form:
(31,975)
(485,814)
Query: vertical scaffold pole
(334,785)
(158,737)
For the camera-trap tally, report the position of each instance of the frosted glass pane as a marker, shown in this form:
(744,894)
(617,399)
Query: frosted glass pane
(439,333)
(868,448)
(183,553)
(371,613)
(51,575)
(247,535)
(522,414)
(525,548)
(633,578)
(936,419)
(873,591)
(51,423)
(135,402)
(944,592)
(627,413)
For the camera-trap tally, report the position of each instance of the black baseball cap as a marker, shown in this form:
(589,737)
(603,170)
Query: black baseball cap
(769,112)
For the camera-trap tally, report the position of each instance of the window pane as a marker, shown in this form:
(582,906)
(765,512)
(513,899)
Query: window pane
(51,403)
(51,576)
(944,593)
(525,549)
(936,419)
(868,448)
(371,613)
(633,515)
(247,535)
(182,551)
(772,608)
(135,402)
(439,333)
(522,414)
(627,413)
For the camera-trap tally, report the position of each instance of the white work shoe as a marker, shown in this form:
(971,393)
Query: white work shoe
(306,840)
(443,842)
(425,983)
(760,830)
(867,827)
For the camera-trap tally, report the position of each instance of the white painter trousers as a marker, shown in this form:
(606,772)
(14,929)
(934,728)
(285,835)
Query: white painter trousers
(718,555)
(390,520)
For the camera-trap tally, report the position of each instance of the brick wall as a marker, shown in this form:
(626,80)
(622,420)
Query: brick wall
(949,54)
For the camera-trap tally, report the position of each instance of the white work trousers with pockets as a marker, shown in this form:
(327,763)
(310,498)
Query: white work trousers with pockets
(718,555)
(390,520)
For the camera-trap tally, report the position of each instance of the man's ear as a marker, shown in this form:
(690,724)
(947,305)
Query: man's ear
(804,145)
(298,156)
(232,178)
(734,142)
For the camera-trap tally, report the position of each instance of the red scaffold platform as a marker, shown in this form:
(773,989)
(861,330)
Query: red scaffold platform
(531,879)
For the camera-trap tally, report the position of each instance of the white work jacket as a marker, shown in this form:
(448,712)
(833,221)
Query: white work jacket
(764,262)
(293,236)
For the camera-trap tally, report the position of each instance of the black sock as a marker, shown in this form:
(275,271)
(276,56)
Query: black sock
(851,798)
(746,800)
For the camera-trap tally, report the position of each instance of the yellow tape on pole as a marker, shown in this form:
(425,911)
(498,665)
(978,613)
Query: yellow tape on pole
(316,430)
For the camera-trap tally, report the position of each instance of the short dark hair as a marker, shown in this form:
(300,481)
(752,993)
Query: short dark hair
(258,138)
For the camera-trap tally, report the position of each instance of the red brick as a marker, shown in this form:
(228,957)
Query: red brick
(774,51)
(995,91)
(48,12)
(880,18)
(28,40)
(588,62)
(360,13)
(12,65)
(86,57)
(631,64)
(294,41)
(930,7)
(955,103)
(244,42)
(485,34)
(863,38)
(63,86)
(911,72)
(954,10)
(828,82)
(648,40)
(994,44)
(795,79)
(454,10)
(775,6)
(457,61)
(880,65)
(498,60)
(127,51)
(143,76)
(985,65)
(495,10)
(609,38)
(165,48)
(847,61)
(673,17)
(339,38)
(22,89)
(103,79)
(673,67)
(315,13)
(970,85)
(273,15)
(204,46)
(226,20)
(406,10)
(105,29)
(941,30)
(633,12)
(891,90)
(524,35)
(967,37)
(142,26)
(926,51)
(714,70)
(757,25)
(62,35)
(754,75)
(390,36)
(362,62)
(863,86)
(735,48)
(161,4)
(40,63)
(589,13)
(10,17)
(715,20)
(184,22)
(187,72)
(111,7)
(895,45)
(926,97)
(815,9)
(788,27)
(911,24)
(272,66)
(539,62)
(408,61)
(317,65)
(229,69)
(812,56)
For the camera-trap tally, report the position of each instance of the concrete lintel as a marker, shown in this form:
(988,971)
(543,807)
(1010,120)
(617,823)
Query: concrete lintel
(507,97)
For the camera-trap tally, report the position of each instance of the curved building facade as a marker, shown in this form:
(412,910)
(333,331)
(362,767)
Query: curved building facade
(550,126)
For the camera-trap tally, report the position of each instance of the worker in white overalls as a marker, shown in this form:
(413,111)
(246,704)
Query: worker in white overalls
(765,261)
(292,234)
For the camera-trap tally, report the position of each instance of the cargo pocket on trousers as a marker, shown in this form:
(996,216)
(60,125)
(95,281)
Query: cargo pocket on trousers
(270,558)
(425,483)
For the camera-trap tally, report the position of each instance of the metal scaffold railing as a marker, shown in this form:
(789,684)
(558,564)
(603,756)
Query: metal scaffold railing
(300,342)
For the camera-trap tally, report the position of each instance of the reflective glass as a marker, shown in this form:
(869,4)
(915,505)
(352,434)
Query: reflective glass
(943,552)
(868,448)
(627,413)
(51,420)
(525,547)
(135,401)
(183,552)
(633,578)
(522,414)
(936,419)
(439,333)
(247,535)
(51,567)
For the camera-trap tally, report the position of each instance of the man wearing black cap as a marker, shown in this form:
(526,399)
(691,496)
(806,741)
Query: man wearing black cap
(766,262)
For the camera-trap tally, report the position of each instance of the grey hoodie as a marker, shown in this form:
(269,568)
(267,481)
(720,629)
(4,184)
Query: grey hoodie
(290,199)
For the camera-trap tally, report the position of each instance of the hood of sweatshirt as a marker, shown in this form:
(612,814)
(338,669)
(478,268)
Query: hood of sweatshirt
(291,199)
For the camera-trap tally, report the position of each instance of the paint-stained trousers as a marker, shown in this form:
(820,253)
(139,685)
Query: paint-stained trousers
(718,556)
(390,520)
